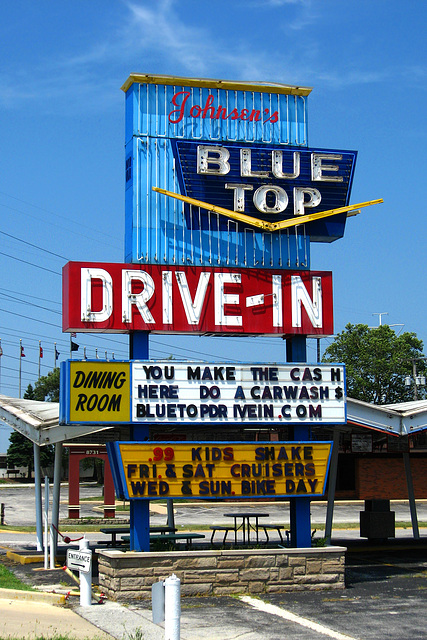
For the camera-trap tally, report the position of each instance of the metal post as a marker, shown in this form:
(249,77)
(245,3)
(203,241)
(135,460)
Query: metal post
(332,487)
(20,367)
(85,579)
(300,517)
(172,608)
(55,499)
(411,496)
(139,510)
(40,346)
(46,522)
(38,497)
(171,515)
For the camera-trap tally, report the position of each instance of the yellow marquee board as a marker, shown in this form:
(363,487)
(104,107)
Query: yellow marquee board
(99,391)
(206,470)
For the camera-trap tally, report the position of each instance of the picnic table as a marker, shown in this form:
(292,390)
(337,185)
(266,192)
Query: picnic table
(171,537)
(246,525)
(115,531)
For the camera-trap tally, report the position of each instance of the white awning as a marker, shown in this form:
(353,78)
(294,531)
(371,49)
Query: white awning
(39,421)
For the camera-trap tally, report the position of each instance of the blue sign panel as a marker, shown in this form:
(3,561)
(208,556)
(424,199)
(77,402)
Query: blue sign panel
(242,147)
(266,182)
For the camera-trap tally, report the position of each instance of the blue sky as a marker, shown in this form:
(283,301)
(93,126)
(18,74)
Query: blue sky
(62,148)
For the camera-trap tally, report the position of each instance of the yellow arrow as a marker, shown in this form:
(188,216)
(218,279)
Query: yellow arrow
(241,217)
(262,224)
(293,222)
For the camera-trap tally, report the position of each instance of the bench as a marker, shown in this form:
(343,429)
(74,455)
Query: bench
(171,537)
(115,531)
(12,472)
(216,528)
(273,527)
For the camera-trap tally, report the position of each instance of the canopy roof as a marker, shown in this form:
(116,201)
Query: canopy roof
(39,421)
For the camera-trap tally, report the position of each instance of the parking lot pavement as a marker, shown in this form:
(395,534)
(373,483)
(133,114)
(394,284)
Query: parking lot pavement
(384,595)
(384,598)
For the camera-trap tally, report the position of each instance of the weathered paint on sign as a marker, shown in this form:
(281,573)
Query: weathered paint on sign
(120,298)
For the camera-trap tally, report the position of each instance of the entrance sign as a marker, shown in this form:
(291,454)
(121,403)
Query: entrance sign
(121,298)
(159,470)
(241,146)
(170,392)
(79,560)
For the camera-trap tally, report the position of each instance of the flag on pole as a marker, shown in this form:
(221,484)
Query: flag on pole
(1,351)
(22,352)
(74,334)
(74,346)
(41,352)
(57,354)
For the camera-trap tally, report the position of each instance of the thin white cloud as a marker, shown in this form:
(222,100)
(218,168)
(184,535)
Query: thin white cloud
(158,37)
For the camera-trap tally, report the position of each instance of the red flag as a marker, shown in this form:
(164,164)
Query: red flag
(1,351)
(22,352)
(41,352)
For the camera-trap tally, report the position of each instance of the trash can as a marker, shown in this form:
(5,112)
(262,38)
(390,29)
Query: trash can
(377,521)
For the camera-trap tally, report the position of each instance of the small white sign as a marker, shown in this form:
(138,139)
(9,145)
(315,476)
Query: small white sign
(79,560)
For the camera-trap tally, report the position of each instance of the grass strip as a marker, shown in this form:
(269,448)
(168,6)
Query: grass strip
(9,580)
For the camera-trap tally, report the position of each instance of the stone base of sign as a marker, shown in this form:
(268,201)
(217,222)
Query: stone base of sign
(126,576)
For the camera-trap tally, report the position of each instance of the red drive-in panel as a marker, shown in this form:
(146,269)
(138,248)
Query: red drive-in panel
(119,298)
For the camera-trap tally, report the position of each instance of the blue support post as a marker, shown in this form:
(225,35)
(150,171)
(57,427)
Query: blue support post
(139,515)
(300,520)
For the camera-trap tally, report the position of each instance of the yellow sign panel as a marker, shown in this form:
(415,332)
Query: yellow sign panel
(224,470)
(99,392)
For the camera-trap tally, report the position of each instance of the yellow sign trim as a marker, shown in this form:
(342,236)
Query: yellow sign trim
(262,224)
(233,85)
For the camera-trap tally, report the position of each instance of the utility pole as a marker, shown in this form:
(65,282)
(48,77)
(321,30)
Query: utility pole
(380,315)
(416,380)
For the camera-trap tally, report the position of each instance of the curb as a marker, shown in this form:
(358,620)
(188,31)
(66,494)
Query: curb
(24,559)
(34,596)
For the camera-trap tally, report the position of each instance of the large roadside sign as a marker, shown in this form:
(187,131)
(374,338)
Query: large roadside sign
(238,146)
(170,392)
(121,298)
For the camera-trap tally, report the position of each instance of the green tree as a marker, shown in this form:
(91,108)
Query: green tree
(21,452)
(47,388)
(377,362)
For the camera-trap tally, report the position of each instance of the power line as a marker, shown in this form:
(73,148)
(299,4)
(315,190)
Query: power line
(30,296)
(30,244)
(57,215)
(20,315)
(30,263)
(31,304)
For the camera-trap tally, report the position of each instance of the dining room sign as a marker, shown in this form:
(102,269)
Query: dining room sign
(219,470)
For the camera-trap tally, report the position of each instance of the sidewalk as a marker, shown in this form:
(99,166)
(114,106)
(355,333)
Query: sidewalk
(22,618)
